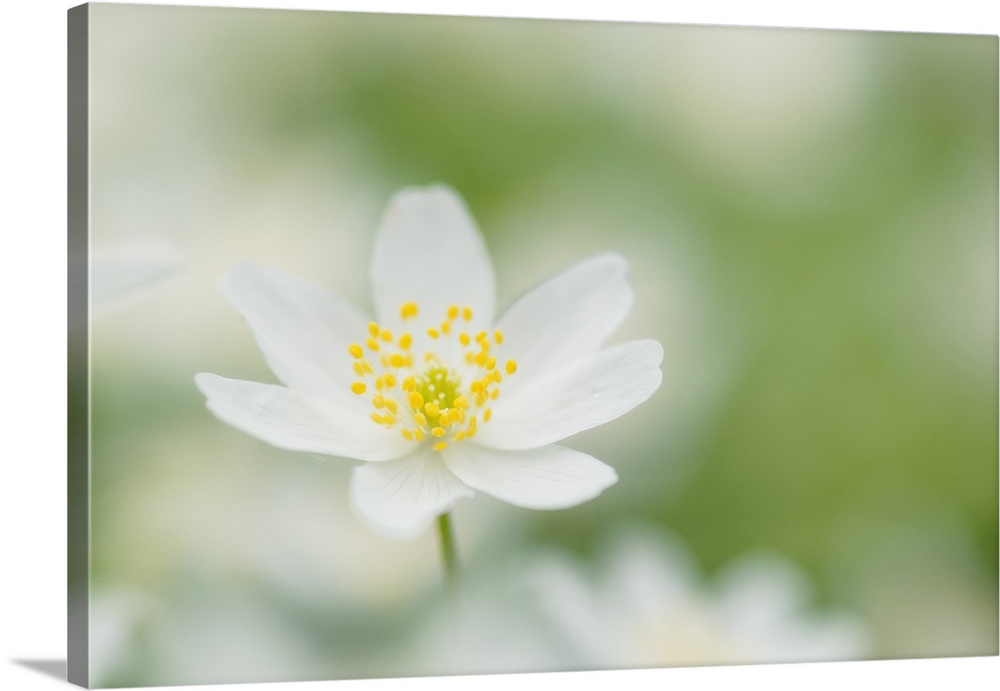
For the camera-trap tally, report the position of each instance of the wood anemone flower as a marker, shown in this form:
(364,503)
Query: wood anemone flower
(435,395)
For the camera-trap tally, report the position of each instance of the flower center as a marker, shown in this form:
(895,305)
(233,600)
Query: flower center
(418,393)
(439,386)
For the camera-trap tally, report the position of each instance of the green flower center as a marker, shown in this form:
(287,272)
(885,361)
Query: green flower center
(440,386)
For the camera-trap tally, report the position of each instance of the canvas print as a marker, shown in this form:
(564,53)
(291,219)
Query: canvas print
(410,345)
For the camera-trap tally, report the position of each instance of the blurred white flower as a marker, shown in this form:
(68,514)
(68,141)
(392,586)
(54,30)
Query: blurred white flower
(490,625)
(209,630)
(647,606)
(119,274)
(415,394)
(115,276)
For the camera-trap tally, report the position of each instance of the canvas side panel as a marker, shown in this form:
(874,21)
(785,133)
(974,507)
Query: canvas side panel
(78,350)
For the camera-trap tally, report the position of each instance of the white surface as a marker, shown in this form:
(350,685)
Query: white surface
(32,446)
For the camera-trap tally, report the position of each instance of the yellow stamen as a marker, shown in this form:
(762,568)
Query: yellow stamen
(409,309)
(431,393)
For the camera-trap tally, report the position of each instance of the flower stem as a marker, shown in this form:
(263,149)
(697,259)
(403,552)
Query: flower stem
(449,560)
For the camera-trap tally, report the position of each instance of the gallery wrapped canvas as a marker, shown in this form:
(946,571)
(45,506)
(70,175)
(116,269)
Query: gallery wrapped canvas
(406,345)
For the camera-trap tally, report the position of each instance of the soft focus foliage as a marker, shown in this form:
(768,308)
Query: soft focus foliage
(810,219)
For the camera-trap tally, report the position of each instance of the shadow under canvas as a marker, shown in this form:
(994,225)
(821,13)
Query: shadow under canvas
(50,668)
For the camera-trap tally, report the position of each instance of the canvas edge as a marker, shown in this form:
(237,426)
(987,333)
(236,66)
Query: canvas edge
(78,348)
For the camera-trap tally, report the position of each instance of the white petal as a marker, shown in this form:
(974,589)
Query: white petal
(302,329)
(400,498)
(765,599)
(552,477)
(429,251)
(763,589)
(295,421)
(569,315)
(588,392)
(652,571)
(576,609)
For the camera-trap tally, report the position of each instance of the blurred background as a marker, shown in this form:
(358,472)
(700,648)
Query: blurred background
(811,222)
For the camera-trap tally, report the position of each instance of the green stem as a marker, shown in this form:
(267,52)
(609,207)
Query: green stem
(449,560)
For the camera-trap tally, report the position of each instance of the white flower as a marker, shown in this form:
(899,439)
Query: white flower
(416,392)
(647,605)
